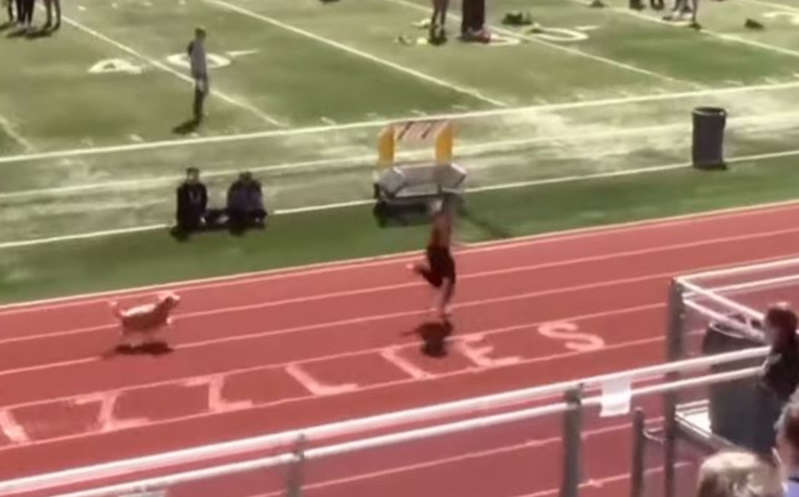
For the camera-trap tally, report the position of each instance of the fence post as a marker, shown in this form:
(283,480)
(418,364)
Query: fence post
(675,352)
(296,472)
(639,453)
(572,441)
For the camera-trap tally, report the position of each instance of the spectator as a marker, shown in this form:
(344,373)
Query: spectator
(199,71)
(192,202)
(781,369)
(788,446)
(779,377)
(9,4)
(739,474)
(49,5)
(245,203)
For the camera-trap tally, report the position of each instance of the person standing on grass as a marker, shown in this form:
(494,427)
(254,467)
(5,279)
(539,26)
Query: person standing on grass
(25,15)
(681,8)
(20,5)
(438,22)
(49,4)
(10,9)
(199,71)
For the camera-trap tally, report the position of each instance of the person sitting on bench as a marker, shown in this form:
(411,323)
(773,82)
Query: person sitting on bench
(245,203)
(192,202)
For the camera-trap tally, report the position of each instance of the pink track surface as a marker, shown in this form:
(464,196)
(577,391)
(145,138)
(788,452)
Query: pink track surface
(268,352)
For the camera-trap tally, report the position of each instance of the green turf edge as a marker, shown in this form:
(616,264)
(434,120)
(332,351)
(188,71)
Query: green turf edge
(125,261)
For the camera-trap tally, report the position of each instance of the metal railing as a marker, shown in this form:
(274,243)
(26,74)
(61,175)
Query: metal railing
(467,407)
(572,406)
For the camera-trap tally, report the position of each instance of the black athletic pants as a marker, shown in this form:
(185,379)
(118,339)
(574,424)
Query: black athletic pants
(200,92)
(26,15)
(49,4)
(473,16)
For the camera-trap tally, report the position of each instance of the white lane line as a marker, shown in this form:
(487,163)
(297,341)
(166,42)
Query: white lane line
(15,135)
(555,46)
(464,150)
(166,68)
(368,201)
(773,5)
(354,51)
(325,267)
(411,284)
(359,125)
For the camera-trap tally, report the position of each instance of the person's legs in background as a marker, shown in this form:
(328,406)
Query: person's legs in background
(50,5)
(27,20)
(200,92)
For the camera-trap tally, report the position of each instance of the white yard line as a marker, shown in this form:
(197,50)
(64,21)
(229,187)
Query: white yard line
(555,46)
(464,151)
(358,53)
(505,186)
(707,32)
(136,147)
(774,5)
(167,68)
(17,137)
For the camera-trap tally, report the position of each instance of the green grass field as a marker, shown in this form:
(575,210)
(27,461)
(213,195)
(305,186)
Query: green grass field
(87,140)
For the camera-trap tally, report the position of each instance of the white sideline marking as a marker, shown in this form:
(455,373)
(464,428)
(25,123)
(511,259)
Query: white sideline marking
(165,67)
(360,202)
(323,267)
(412,284)
(17,137)
(136,147)
(354,51)
(572,51)
(774,5)
(82,236)
(464,151)
(714,34)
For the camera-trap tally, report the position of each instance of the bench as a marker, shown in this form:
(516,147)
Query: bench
(401,190)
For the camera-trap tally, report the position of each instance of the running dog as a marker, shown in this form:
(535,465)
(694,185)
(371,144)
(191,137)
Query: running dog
(145,321)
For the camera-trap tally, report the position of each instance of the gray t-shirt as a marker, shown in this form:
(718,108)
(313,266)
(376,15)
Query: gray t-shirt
(199,67)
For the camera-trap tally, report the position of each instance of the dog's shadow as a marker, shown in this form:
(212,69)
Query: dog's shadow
(434,336)
(153,349)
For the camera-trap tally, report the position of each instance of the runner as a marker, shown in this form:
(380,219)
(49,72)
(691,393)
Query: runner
(440,268)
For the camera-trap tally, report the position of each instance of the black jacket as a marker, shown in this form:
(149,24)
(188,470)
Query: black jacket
(781,373)
(192,198)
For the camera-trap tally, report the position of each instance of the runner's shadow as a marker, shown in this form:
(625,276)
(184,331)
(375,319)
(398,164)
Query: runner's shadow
(18,33)
(186,127)
(39,34)
(434,336)
(153,349)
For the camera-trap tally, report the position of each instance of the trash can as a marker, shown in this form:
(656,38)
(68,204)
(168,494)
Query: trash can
(708,139)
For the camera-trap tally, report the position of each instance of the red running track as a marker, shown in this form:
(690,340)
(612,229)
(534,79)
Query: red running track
(267,352)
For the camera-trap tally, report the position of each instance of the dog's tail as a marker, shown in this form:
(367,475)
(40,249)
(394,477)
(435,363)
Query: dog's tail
(114,305)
